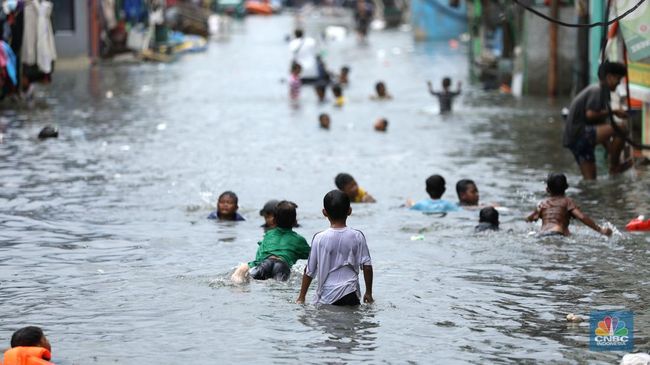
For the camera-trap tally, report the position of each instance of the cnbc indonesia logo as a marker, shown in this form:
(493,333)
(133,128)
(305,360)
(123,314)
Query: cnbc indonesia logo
(611,331)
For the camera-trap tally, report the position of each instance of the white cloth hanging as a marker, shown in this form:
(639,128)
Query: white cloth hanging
(38,46)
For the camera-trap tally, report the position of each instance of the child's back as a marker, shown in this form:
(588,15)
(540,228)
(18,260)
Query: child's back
(336,257)
(555,212)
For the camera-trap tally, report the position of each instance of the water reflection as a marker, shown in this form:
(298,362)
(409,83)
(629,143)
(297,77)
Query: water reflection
(344,330)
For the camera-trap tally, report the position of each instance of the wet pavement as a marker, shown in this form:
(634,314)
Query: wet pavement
(104,241)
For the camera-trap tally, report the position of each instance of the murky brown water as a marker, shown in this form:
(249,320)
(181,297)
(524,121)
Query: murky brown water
(105,244)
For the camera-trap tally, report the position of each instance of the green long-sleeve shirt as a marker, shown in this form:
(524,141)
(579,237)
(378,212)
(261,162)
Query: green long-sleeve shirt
(283,243)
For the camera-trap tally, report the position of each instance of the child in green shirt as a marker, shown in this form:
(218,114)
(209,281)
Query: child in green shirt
(278,251)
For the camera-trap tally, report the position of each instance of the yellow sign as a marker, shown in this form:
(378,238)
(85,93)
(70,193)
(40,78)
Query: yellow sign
(639,73)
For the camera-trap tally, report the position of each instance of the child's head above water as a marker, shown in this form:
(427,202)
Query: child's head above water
(337,91)
(227,205)
(380,88)
(346,183)
(268,212)
(336,206)
(446,83)
(467,192)
(324,121)
(285,214)
(381,125)
(435,186)
(30,336)
(556,184)
(489,215)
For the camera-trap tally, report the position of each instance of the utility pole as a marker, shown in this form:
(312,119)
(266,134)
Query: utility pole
(552,59)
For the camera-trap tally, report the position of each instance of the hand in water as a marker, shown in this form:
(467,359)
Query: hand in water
(606,231)
(367,298)
(300,301)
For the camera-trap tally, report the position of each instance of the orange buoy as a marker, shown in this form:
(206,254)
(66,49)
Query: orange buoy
(258,7)
(638,224)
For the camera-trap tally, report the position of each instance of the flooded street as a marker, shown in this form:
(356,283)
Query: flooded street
(104,240)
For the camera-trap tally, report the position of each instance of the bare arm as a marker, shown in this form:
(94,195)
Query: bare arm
(578,214)
(306,282)
(431,88)
(367,278)
(534,216)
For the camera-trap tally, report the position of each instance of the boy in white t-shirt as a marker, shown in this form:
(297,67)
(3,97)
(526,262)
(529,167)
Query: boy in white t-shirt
(337,254)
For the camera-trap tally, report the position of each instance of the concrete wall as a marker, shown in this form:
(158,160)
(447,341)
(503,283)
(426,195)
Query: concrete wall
(536,52)
(70,44)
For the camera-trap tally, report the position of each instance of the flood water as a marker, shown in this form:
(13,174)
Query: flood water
(104,241)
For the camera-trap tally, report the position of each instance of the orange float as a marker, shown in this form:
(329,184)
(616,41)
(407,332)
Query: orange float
(258,7)
(638,224)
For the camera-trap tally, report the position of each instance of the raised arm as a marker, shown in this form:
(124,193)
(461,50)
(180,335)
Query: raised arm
(367,278)
(578,214)
(431,88)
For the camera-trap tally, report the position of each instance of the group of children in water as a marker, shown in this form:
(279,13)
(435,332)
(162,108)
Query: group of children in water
(337,255)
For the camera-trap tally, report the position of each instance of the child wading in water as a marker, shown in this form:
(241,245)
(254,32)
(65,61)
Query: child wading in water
(557,210)
(446,96)
(278,251)
(294,82)
(337,254)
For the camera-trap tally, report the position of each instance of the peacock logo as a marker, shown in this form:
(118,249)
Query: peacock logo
(611,326)
(611,331)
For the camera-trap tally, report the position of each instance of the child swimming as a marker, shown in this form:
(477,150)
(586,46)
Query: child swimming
(347,184)
(467,193)
(557,210)
(324,121)
(278,251)
(227,206)
(380,92)
(435,187)
(339,99)
(488,220)
(381,125)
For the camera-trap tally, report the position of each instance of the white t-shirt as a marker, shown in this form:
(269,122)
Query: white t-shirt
(303,50)
(336,257)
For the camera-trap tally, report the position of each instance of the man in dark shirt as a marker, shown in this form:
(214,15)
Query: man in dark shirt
(587,123)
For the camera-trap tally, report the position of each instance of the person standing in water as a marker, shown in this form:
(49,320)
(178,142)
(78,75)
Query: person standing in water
(446,96)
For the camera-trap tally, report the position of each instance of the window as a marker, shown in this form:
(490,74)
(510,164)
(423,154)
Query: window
(63,15)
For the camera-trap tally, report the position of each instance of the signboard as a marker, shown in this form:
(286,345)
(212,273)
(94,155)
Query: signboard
(636,29)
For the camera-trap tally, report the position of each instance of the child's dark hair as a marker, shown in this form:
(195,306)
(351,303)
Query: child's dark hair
(337,91)
(446,82)
(27,336)
(336,204)
(229,194)
(489,215)
(611,68)
(345,69)
(342,179)
(556,184)
(435,186)
(323,115)
(285,214)
(295,66)
(380,84)
(298,33)
(463,185)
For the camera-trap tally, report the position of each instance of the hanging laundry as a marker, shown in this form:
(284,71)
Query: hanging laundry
(10,62)
(38,46)
(108,10)
(134,10)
